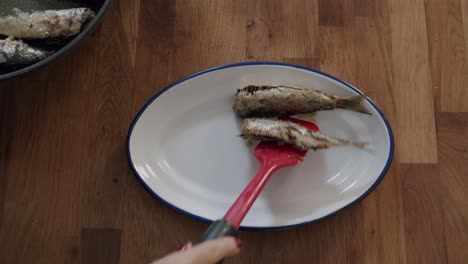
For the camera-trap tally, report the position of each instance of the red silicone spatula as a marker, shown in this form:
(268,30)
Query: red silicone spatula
(272,158)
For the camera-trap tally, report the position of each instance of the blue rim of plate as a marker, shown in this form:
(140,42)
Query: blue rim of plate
(255,228)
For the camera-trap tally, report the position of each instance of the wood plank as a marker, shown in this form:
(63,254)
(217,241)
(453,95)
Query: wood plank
(425,242)
(156,45)
(447,55)
(337,50)
(365,8)
(464,14)
(104,171)
(374,62)
(324,242)
(331,12)
(224,37)
(130,15)
(300,31)
(382,210)
(263,39)
(306,62)
(453,151)
(41,208)
(41,201)
(100,245)
(5,146)
(464,10)
(383,221)
(146,220)
(416,136)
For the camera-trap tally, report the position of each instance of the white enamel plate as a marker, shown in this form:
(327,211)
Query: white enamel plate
(185,149)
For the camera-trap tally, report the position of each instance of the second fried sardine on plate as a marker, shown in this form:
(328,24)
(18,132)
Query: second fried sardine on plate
(45,24)
(16,53)
(291,134)
(270,101)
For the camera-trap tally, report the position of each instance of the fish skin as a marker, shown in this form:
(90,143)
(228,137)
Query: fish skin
(15,52)
(45,24)
(271,101)
(291,134)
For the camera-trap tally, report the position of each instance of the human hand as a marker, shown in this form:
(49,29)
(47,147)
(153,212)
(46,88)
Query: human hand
(208,252)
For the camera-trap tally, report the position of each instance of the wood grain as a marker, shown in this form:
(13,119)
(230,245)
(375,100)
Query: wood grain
(424,240)
(100,246)
(263,39)
(338,57)
(4,147)
(129,11)
(453,149)
(464,15)
(415,131)
(331,13)
(327,243)
(224,37)
(67,194)
(447,54)
(102,181)
(382,217)
(300,42)
(156,45)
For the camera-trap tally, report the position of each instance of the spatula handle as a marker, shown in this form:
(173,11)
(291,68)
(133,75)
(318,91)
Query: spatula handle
(246,199)
(219,228)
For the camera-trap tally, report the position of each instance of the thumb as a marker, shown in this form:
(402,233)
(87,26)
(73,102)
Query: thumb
(212,251)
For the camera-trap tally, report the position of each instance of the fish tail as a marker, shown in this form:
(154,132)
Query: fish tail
(353,103)
(356,144)
(360,144)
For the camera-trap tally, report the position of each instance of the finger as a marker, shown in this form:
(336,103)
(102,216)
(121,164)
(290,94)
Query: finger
(208,252)
(212,251)
(185,247)
(176,257)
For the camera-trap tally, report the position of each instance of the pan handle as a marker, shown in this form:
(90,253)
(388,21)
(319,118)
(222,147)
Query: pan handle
(219,228)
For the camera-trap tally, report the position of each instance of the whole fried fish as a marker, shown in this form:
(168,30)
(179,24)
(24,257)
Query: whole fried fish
(290,133)
(270,101)
(15,53)
(45,24)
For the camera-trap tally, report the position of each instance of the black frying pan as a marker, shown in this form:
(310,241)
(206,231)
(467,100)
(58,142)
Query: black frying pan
(98,6)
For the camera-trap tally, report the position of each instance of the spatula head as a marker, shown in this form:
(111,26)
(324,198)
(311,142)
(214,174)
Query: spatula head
(282,155)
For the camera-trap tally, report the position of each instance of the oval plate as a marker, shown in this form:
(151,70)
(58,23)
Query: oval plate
(185,149)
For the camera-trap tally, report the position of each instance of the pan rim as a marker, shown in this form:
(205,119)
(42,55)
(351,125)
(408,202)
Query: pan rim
(69,46)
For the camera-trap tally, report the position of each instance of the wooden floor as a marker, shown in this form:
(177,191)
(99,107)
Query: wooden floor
(67,194)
